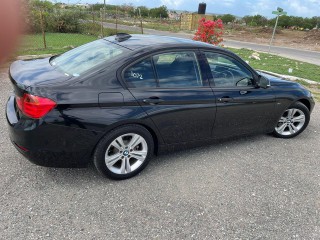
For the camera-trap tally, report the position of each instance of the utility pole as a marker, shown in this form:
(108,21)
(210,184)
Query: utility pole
(141,27)
(117,19)
(101,23)
(104,10)
(279,13)
(42,24)
(274,31)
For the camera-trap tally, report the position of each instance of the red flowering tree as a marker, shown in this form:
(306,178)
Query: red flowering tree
(209,31)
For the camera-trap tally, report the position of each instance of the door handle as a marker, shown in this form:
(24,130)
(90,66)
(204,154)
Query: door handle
(243,92)
(152,100)
(225,99)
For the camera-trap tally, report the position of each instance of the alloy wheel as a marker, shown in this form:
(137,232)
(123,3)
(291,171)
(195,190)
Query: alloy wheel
(291,122)
(126,153)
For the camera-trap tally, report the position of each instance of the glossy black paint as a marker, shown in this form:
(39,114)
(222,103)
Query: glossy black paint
(90,106)
(36,72)
(182,115)
(245,111)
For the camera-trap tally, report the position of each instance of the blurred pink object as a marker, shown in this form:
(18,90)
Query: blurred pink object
(11,26)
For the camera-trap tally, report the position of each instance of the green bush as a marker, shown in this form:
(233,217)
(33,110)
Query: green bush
(64,21)
(54,19)
(159,12)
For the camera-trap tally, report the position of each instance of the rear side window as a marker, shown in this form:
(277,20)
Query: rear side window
(140,75)
(177,69)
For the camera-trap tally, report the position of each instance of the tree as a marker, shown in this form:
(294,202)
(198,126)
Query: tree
(293,21)
(97,7)
(209,31)
(128,9)
(39,10)
(247,19)
(311,23)
(160,12)
(226,18)
(285,21)
(256,20)
(144,11)
(46,17)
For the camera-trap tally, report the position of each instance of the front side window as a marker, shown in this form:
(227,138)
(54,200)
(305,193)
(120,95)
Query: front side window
(228,72)
(177,69)
(81,59)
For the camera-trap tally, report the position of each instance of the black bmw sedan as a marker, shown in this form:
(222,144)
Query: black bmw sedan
(119,100)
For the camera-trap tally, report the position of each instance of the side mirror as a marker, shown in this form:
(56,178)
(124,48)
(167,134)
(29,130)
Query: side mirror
(263,82)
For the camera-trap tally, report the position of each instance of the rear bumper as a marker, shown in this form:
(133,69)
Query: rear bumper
(54,159)
(48,144)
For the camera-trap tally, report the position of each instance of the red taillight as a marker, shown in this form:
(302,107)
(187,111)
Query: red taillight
(34,106)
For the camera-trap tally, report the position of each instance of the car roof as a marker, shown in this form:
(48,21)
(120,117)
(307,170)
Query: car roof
(139,41)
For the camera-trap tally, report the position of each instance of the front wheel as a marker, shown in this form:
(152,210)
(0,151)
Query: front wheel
(293,121)
(124,152)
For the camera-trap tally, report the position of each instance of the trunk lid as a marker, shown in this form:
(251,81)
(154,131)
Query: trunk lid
(33,73)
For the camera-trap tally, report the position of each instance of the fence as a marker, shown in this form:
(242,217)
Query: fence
(57,30)
(150,23)
(190,21)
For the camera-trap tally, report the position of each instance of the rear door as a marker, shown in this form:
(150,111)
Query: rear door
(174,93)
(242,108)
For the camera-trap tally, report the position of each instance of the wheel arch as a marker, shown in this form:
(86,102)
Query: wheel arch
(305,102)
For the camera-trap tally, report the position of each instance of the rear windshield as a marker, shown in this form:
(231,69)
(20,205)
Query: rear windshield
(81,59)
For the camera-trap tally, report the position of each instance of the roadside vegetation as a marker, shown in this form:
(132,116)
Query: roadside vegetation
(57,43)
(280,65)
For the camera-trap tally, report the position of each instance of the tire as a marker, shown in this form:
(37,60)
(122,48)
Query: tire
(124,152)
(293,121)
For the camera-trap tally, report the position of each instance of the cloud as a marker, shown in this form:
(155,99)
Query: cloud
(172,3)
(228,3)
(262,7)
(307,8)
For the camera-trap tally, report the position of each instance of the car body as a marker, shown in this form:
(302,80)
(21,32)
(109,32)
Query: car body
(180,91)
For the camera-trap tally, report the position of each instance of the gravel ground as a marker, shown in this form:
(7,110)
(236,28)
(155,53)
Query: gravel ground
(252,188)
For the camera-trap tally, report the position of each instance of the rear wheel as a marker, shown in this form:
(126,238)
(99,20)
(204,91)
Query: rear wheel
(124,152)
(293,121)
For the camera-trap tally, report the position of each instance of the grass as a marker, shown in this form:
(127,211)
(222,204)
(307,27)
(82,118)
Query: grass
(280,65)
(57,42)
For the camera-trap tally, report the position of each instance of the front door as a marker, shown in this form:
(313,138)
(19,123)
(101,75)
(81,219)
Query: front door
(242,108)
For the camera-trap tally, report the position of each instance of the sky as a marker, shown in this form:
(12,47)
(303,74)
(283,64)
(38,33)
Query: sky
(302,8)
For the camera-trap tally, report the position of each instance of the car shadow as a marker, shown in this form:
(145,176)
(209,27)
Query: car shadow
(84,176)
(211,146)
